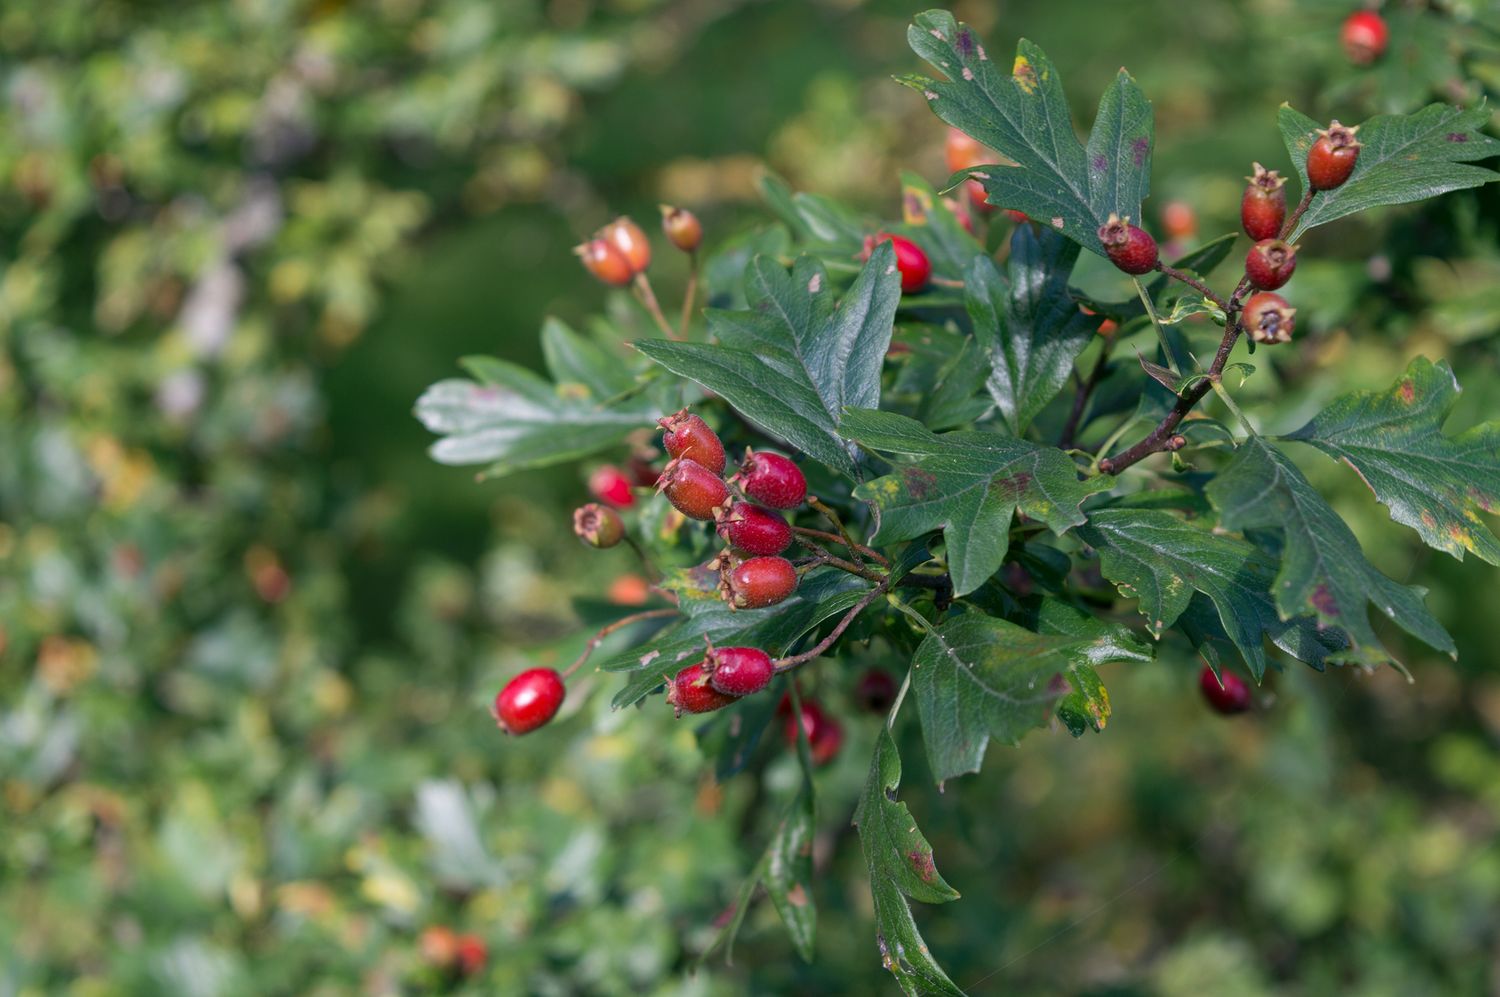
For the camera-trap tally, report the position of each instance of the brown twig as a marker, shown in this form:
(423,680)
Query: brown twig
(822,557)
(808,531)
(605,631)
(647,297)
(838,525)
(1195,284)
(1081,398)
(787,664)
(690,294)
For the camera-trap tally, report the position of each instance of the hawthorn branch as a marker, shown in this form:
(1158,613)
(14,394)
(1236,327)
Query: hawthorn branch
(807,531)
(607,629)
(1081,397)
(782,665)
(838,525)
(647,298)
(1195,284)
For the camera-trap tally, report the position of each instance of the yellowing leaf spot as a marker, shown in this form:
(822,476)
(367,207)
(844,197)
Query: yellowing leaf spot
(1407,391)
(1461,536)
(1025,76)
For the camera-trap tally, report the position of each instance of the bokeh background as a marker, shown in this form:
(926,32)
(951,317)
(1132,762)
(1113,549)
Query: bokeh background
(248,630)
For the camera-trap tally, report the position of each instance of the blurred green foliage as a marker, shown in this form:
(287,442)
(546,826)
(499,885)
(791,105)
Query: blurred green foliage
(248,631)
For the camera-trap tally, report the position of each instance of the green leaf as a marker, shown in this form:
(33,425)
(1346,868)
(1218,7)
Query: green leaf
(1403,157)
(901,865)
(789,875)
(1433,483)
(1161,559)
(1024,116)
(1030,325)
(1323,570)
(978,677)
(820,221)
(1086,707)
(967,484)
(930,224)
(794,361)
(514,419)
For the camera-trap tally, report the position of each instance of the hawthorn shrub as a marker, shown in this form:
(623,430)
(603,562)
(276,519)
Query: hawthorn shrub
(953,454)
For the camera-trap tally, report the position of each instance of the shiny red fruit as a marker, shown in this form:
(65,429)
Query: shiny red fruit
(693,489)
(739,671)
(964,151)
(1268,318)
(1332,157)
(876,691)
(754,529)
(682,228)
(1270,264)
(915,267)
(609,484)
(1263,206)
(759,581)
(684,434)
(1233,696)
(605,262)
(772,480)
(626,236)
(690,692)
(1128,246)
(1364,37)
(529,700)
(825,735)
(473,953)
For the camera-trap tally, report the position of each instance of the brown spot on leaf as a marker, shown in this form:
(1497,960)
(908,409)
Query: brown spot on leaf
(1100,164)
(1324,602)
(965,43)
(1407,392)
(796,896)
(922,865)
(1011,486)
(1428,520)
(1457,137)
(1138,149)
(919,483)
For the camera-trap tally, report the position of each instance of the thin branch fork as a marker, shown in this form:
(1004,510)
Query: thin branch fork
(787,664)
(607,629)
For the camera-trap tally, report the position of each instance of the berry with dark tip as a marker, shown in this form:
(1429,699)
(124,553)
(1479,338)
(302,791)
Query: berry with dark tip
(682,228)
(605,262)
(876,691)
(1233,696)
(772,480)
(693,489)
(758,581)
(1332,157)
(598,526)
(1128,246)
(1268,318)
(754,529)
(739,671)
(529,700)
(608,484)
(1270,264)
(626,236)
(684,434)
(825,735)
(691,692)
(1364,37)
(911,261)
(1263,205)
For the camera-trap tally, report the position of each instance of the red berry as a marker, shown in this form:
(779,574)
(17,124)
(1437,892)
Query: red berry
(439,946)
(693,489)
(1268,318)
(1331,158)
(1178,218)
(1128,246)
(1017,216)
(915,267)
(1270,264)
(605,262)
(758,581)
(825,735)
(1364,37)
(684,434)
(979,198)
(473,953)
(626,236)
(682,228)
(961,212)
(690,692)
(772,480)
(964,151)
(1263,206)
(529,700)
(609,484)
(641,472)
(876,690)
(1231,697)
(754,530)
(598,526)
(739,671)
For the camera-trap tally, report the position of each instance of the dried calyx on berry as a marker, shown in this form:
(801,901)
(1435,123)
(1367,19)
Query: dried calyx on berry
(1332,157)
(1263,206)
(1268,318)
(771,479)
(693,489)
(1230,696)
(691,692)
(682,228)
(684,434)
(626,236)
(605,262)
(756,582)
(598,525)
(1270,264)
(1128,246)
(754,529)
(738,671)
(529,700)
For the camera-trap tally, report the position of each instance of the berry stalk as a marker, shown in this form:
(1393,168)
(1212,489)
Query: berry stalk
(606,630)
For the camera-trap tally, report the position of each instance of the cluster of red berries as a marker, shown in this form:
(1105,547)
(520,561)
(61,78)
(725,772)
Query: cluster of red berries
(1271,261)
(619,252)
